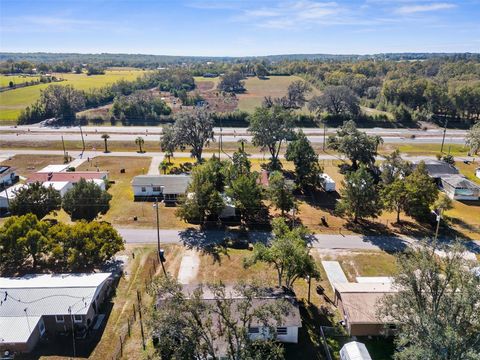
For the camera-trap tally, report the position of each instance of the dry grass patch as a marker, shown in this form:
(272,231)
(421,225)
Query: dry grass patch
(26,165)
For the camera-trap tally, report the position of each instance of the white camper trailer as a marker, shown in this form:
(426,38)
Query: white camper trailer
(354,351)
(327,182)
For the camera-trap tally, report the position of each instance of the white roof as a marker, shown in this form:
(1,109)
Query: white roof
(16,329)
(364,287)
(53,168)
(57,185)
(374,279)
(35,295)
(355,351)
(33,281)
(11,191)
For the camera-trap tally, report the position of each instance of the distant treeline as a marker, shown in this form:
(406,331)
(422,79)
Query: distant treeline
(63,102)
(66,62)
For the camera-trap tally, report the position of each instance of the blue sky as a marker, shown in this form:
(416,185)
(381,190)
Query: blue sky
(239,27)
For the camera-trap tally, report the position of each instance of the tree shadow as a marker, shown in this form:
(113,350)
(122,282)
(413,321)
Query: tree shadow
(207,242)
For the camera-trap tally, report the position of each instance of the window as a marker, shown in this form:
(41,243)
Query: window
(78,318)
(253,330)
(59,318)
(41,327)
(282,331)
(144,189)
(157,189)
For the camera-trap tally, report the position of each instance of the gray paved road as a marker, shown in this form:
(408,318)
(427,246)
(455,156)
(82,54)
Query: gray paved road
(320,241)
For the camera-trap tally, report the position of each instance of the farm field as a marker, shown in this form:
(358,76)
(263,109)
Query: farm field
(258,89)
(12,102)
(17,79)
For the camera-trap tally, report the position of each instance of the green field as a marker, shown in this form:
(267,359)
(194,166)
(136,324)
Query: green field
(12,102)
(17,79)
(258,89)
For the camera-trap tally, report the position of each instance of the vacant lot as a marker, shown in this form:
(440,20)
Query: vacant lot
(16,79)
(258,89)
(25,165)
(12,102)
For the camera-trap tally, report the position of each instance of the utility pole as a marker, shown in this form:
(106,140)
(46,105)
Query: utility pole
(324,133)
(83,140)
(64,153)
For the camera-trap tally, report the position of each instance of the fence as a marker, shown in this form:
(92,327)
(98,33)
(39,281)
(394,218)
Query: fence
(135,314)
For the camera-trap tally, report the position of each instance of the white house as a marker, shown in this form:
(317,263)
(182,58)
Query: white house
(163,187)
(8,194)
(286,331)
(7,176)
(61,186)
(460,188)
(327,182)
(37,306)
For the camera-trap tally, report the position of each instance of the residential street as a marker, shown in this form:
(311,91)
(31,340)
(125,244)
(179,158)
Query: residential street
(199,239)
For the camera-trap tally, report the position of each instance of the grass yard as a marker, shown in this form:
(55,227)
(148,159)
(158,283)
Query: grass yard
(17,79)
(12,102)
(258,89)
(122,207)
(26,165)
(423,149)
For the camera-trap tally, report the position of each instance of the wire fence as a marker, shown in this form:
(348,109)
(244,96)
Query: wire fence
(135,315)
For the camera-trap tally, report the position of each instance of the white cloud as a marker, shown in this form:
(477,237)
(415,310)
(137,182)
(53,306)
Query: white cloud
(412,9)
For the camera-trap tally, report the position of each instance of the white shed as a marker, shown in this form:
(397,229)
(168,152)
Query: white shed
(477,173)
(354,351)
(327,182)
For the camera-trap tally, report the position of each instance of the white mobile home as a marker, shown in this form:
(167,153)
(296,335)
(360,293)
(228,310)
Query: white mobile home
(7,176)
(8,194)
(163,187)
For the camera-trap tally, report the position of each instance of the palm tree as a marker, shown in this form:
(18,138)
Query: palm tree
(105,137)
(139,141)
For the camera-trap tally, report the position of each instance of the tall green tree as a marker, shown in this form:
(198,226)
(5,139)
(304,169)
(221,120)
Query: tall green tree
(288,252)
(22,238)
(394,167)
(473,138)
(336,100)
(395,197)
(36,199)
(280,193)
(307,168)
(168,141)
(194,129)
(85,200)
(62,102)
(360,197)
(203,200)
(356,145)
(190,327)
(270,128)
(422,192)
(436,306)
(247,196)
(232,82)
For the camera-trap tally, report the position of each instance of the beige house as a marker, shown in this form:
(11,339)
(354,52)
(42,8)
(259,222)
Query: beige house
(359,304)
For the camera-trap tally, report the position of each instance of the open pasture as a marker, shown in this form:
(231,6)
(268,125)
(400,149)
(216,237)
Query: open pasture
(12,102)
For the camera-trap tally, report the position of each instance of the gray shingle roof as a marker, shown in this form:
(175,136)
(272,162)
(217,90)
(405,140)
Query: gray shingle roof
(173,184)
(437,168)
(460,182)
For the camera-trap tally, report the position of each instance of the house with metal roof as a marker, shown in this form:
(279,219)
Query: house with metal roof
(39,306)
(162,187)
(286,330)
(460,188)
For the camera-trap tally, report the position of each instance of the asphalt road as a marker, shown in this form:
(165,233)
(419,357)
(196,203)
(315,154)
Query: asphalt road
(315,135)
(199,239)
